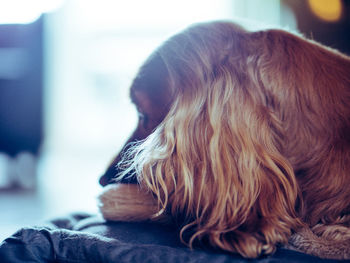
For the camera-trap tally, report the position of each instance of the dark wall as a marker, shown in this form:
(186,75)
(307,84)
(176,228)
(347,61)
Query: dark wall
(332,34)
(21,87)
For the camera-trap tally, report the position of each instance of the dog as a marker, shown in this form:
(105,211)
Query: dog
(243,140)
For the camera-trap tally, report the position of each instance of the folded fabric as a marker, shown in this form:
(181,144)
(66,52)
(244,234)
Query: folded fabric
(83,238)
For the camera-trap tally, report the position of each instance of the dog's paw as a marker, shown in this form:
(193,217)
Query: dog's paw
(334,245)
(127,202)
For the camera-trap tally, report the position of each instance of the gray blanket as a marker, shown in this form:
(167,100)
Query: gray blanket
(86,238)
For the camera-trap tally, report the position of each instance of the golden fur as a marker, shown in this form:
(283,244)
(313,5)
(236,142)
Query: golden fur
(254,147)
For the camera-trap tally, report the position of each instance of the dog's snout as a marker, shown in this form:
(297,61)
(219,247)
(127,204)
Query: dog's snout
(113,169)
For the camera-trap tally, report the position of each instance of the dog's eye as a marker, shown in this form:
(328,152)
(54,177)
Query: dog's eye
(141,115)
(143,118)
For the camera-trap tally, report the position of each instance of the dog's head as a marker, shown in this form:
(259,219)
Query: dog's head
(228,115)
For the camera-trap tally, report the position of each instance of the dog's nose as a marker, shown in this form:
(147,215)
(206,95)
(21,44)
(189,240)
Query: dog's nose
(109,177)
(104,180)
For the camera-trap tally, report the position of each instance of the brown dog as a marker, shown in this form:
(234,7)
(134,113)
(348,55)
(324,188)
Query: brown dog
(247,141)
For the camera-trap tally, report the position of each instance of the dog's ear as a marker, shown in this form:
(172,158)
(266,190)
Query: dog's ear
(255,185)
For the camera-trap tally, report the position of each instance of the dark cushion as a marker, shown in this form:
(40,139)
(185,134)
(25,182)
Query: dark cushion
(86,238)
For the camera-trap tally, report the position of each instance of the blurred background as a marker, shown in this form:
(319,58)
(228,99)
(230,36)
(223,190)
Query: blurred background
(65,70)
